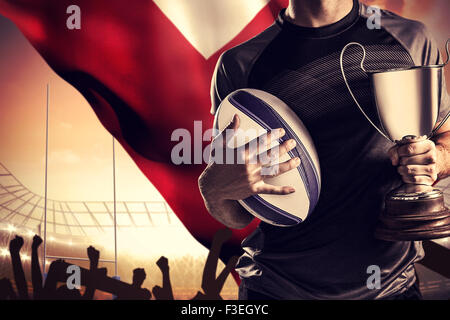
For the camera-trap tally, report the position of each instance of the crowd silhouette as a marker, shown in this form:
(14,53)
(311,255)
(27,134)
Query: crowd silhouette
(55,285)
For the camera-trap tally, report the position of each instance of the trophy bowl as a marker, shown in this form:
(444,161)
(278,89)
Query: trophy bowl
(408,102)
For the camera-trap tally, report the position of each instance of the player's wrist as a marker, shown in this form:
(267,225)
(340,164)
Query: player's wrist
(208,191)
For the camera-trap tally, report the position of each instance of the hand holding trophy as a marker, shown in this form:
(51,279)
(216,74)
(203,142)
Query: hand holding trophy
(408,103)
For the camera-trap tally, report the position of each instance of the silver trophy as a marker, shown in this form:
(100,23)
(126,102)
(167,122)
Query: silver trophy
(408,103)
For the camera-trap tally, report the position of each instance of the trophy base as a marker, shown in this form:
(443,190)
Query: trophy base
(414,213)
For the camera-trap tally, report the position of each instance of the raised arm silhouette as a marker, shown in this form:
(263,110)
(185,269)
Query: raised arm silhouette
(36,275)
(92,276)
(211,285)
(19,276)
(138,277)
(164,293)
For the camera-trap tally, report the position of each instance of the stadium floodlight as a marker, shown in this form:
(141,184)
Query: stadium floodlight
(25,257)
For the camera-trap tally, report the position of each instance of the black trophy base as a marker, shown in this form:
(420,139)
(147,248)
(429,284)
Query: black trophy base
(414,213)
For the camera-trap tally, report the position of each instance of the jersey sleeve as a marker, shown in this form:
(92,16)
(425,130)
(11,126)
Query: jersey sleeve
(435,57)
(221,84)
(235,65)
(445,100)
(432,56)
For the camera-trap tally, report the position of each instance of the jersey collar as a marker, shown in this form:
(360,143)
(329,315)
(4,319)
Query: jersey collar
(321,32)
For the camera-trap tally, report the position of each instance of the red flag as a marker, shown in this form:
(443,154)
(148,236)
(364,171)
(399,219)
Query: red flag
(145,68)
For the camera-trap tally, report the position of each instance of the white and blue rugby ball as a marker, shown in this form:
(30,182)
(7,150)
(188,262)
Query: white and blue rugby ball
(264,112)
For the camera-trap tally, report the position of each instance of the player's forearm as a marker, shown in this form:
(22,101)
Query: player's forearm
(228,212)
(224,210)
(442,142)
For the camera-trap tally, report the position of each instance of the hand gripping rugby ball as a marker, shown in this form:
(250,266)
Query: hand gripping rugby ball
(264,112)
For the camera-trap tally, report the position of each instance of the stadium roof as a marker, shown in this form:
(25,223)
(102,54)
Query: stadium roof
(23,208)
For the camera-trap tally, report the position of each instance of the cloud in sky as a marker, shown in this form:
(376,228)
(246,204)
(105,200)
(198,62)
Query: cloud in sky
(64,156)
(65,125)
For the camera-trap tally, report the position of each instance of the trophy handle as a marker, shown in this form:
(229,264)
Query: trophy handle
(439,126)
(446,50)
(350,90)
(448,114)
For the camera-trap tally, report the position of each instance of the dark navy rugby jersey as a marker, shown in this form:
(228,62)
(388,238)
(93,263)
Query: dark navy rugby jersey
(327,256)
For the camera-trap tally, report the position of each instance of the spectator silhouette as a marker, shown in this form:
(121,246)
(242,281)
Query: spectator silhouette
(138,277)
(64,293)
(6,290)
(211,285)
(36,275)
(165,292)
(57,273)
(94,256)
(95,277)
(19,276)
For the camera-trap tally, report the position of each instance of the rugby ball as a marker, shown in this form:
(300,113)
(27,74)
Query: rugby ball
(261,112)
